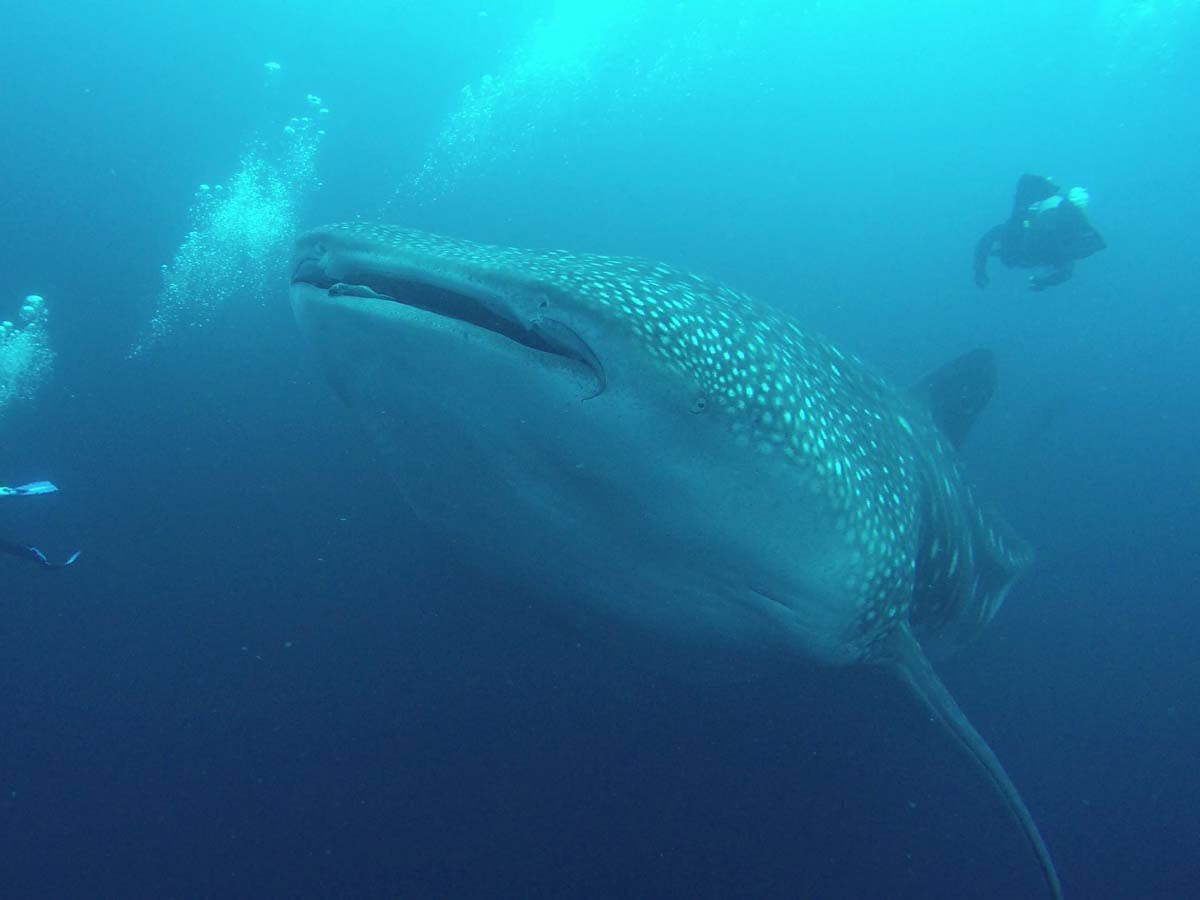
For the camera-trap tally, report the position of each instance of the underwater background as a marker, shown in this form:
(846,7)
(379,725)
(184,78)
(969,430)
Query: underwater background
(262,680)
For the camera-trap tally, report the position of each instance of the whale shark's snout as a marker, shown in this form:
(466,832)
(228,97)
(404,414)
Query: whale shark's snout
(323,265)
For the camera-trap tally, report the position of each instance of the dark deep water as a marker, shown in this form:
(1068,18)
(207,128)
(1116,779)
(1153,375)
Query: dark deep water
(261,680)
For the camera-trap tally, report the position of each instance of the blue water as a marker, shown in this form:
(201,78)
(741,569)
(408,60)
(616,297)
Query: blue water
(261,680)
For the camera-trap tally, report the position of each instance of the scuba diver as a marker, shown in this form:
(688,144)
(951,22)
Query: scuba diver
(1047,229)
(32,553)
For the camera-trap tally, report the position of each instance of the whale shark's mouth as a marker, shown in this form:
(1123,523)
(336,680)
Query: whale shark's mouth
(543,335)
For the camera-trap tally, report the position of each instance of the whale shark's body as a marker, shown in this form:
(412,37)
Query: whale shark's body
(656,450)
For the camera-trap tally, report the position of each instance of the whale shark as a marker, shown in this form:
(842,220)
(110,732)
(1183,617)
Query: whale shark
(668,457)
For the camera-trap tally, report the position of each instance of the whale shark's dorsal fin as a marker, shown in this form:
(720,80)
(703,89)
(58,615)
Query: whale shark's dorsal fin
(957,392)
(903,651)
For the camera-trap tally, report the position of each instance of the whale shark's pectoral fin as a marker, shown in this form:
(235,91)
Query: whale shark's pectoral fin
(906,654)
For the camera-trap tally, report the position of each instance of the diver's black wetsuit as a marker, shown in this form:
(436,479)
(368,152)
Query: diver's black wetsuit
(18,550)
(1051,237)
(24,551)
(32,553)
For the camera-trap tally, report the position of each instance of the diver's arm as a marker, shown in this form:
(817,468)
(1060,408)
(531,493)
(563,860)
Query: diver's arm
(34,554)
(983,249)
(1056,275)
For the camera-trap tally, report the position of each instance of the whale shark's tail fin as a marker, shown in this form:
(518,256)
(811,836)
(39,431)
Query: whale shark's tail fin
(908,657)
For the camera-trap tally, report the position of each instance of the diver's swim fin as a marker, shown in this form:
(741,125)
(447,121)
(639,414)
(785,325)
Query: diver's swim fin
(41,557)
(34,487)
